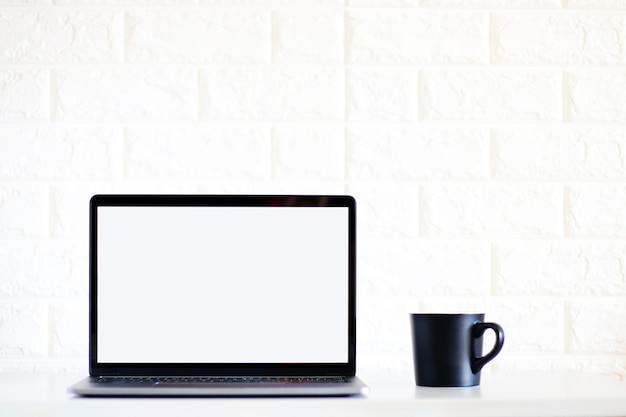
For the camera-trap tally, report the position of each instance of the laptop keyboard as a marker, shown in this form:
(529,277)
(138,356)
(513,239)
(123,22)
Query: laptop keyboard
(219,380)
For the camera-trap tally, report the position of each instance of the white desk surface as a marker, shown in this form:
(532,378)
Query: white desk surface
(501,394)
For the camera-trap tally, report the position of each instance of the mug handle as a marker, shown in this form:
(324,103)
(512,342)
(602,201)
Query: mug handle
(478,329)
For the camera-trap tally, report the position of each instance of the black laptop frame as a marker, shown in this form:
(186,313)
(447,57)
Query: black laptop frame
(220,369)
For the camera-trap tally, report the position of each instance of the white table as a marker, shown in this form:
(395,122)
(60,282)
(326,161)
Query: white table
(501,394)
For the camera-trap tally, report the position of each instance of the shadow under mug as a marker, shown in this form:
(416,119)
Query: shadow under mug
(447,348)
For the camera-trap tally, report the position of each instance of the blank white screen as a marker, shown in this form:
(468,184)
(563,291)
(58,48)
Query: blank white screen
(222,284)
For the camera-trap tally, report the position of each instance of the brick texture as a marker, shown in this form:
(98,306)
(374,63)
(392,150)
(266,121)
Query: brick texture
(124,95)
(192,36)
(24,95)
(484,142)
(285,94)
(491,95)
(408,37)
(560,38)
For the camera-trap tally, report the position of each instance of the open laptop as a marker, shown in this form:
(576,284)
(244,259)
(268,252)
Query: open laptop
(222,295)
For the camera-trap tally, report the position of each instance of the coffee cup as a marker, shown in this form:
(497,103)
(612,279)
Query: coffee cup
(447,348)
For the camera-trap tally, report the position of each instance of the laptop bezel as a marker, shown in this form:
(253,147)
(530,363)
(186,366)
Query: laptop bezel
(220,369)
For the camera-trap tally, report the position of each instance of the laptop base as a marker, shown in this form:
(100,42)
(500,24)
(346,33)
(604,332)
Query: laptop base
(91,387)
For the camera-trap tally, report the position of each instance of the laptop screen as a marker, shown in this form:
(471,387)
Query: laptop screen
(221,280)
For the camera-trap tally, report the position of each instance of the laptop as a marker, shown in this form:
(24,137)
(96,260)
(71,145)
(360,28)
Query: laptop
(222,295)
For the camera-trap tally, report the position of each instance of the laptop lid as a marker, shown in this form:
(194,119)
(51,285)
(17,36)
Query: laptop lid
(258,285)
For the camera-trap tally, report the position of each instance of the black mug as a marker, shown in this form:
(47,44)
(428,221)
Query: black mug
(448,348)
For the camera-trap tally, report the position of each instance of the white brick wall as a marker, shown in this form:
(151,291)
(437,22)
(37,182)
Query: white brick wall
(484,141)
